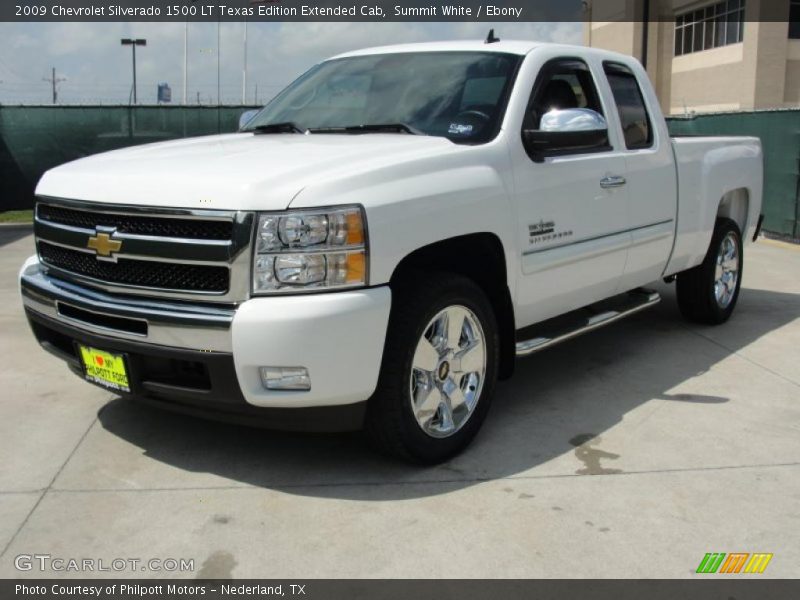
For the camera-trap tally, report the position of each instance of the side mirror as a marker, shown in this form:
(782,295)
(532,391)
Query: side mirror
(247,117)
(568,131)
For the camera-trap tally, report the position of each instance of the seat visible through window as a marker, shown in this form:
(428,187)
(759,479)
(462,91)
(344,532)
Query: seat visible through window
(563,84)
(558,95)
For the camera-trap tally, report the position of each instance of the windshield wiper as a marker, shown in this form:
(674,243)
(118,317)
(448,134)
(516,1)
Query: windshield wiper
(286,127)
(373,128)
(290,127)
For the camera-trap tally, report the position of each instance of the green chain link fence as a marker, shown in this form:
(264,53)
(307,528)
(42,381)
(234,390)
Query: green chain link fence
(779,131)
(36,138)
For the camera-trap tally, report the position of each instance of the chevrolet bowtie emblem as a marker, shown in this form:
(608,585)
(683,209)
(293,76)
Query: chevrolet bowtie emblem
(104,245)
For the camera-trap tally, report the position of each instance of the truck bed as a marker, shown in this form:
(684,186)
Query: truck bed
(706,167)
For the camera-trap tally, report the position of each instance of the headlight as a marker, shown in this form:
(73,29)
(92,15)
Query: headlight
(310,250)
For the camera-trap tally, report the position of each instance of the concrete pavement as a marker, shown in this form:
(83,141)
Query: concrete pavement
(629,452)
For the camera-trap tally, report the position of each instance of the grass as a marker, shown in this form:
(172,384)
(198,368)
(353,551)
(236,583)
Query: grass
(16,216)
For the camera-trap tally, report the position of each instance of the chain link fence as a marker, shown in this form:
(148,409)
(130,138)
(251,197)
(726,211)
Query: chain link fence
(779,131)
(36,138)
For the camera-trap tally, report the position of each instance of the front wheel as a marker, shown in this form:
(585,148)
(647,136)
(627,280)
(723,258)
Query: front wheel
(439,368)
(708,293)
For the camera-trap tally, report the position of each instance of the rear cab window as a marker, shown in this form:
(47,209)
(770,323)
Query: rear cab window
(637,127)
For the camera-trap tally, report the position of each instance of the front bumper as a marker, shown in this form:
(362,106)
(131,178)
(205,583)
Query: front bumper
(208,357)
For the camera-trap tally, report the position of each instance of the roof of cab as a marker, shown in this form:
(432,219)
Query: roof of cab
(517,47)
(507,47)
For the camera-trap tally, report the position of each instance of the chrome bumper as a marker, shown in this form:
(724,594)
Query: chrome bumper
(173,324)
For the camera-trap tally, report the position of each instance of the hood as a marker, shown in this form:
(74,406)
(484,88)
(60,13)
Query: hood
(240,171)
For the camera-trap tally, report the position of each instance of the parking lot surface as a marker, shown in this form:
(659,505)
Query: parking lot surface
(629,452)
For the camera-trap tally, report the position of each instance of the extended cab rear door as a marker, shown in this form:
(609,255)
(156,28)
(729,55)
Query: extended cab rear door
(650,173)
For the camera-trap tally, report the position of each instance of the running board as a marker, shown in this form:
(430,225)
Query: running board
(599,315)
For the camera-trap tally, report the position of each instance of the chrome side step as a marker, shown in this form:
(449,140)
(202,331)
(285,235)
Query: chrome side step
(633,302)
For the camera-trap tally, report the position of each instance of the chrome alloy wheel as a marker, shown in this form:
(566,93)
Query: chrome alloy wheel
(448,371)
(726,275)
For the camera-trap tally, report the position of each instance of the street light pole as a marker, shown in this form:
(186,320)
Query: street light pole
(219,51)
(244,67)
(133,43)
(185,61)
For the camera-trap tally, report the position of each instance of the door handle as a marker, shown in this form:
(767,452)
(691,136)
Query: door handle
(612,181)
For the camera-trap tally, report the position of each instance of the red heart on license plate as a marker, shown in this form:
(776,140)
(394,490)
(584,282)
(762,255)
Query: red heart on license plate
(99,360)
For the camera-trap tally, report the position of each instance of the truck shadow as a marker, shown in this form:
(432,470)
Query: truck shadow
(559,402)
(11,233)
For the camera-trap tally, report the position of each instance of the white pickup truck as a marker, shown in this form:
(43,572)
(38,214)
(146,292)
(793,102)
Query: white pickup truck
(377,246)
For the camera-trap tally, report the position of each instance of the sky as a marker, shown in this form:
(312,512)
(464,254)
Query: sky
(98,69)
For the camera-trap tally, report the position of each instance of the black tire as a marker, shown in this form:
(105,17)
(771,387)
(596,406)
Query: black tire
(390,423)
(696,287)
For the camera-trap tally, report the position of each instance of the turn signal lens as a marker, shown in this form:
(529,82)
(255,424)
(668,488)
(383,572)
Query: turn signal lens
(356,267)
(355,229)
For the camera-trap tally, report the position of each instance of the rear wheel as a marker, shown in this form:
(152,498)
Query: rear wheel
(439,368)
(708,293)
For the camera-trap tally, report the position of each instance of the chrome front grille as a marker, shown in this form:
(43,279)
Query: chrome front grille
(171,253)
(139,225)
(144,273)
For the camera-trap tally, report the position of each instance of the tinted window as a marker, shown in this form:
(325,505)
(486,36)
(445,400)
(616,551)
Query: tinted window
(563,84)
(794,20)
(633,115)
(482,90)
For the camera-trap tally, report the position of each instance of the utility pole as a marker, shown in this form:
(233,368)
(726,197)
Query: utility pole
(54,81)
(133,43)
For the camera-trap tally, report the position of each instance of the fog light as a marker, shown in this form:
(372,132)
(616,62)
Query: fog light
(294,379)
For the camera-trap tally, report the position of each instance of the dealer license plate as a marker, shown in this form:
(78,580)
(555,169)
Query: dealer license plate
(105,368)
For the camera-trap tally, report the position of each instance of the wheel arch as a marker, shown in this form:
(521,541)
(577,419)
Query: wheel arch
(735,205)
(481,258)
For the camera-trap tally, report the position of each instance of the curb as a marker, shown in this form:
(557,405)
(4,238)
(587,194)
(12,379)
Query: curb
(779,244)
(16,226)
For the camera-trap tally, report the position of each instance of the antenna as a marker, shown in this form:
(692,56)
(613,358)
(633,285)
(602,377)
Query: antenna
(491,39)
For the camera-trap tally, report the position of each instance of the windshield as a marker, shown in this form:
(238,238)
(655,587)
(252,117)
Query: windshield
(458,95)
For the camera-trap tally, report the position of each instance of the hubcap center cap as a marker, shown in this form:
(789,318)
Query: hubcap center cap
(444,370)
